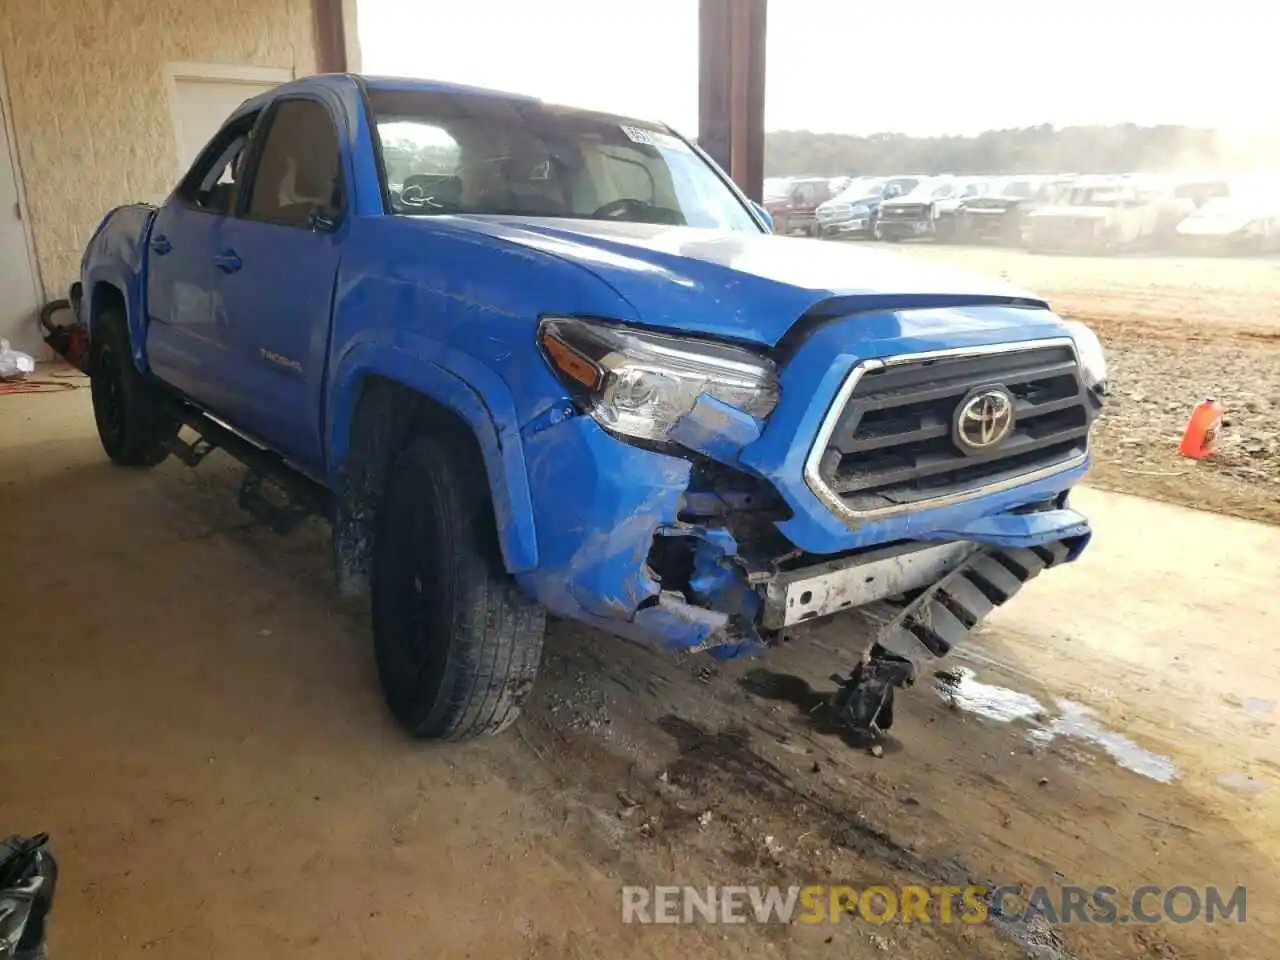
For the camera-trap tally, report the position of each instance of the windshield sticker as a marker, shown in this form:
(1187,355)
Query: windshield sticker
(638,135)
(654,138)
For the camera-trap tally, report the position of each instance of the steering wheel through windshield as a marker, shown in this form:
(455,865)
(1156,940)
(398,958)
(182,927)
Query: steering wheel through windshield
(638,211)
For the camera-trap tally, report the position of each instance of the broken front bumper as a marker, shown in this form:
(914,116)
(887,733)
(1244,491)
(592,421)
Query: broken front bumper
(610,515)
(838,585)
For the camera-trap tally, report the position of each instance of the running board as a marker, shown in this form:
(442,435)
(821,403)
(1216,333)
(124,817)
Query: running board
(303,496)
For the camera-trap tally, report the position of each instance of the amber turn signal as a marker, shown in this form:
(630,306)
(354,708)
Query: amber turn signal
(570,362)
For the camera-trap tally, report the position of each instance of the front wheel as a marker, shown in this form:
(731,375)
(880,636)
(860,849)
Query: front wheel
(457,643)
(135,422)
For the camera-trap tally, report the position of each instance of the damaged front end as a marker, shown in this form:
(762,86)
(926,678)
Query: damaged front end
(709,501)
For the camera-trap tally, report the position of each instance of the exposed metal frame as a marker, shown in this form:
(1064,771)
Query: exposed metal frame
(834,502)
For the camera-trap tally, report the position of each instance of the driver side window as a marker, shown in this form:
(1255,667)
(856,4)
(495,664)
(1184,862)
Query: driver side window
(216,178)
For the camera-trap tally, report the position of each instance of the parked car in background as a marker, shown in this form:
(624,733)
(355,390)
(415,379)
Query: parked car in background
(930,212)
(1179,197)
(854,211)
(793,211)
(999,215)
(1096,215)
(1238,224)
(775,187)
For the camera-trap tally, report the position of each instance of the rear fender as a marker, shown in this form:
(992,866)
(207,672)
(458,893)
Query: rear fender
(461,384)
(114,265)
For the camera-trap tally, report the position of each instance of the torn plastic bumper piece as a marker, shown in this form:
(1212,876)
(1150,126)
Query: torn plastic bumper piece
(1021,530)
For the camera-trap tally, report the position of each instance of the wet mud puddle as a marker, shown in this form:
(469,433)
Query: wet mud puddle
(960,688)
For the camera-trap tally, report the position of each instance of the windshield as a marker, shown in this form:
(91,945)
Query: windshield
(858,190)
(900,186)
(466,154)
(1018,189)
(1108,196)
(776,188)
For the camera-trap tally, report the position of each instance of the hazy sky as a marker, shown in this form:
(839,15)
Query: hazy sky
(863,66)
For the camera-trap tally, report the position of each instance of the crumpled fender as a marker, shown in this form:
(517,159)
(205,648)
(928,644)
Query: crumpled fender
(462,384)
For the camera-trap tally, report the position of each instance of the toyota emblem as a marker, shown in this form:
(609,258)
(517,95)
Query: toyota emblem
(983,419)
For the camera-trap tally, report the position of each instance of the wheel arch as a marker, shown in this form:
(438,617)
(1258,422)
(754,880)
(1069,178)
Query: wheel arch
(103,294)
(377,403)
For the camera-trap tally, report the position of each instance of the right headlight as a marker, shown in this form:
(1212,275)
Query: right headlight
(1093,362)
(640,383)
(861,210)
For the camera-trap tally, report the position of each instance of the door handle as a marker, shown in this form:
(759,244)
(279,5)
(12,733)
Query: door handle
(227,261)
(160,245)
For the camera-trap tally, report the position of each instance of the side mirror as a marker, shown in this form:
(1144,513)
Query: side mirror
(765,215)
(322,219)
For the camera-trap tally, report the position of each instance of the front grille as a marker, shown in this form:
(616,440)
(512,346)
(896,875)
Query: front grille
(893,443)
(909,212)
(1068,228)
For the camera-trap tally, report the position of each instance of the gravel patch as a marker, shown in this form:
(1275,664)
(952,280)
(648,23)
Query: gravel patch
(1155,383)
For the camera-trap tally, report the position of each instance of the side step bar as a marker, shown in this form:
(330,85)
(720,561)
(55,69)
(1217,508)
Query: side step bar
(303,497)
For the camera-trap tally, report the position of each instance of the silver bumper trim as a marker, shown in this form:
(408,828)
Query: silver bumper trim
(853,582)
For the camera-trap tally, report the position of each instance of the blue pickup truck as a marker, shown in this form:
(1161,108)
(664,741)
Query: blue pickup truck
(527,358)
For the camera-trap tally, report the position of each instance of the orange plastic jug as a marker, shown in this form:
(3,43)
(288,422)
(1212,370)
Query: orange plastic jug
(1202,430)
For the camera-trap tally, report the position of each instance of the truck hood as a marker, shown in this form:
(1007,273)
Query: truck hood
(1218,226)
(749,287)
(908,201)
(994,204)
(871,200)
(1083,213)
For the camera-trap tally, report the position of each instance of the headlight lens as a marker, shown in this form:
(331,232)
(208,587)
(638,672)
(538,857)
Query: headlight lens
(861,210)
(1093,362)
(640,383)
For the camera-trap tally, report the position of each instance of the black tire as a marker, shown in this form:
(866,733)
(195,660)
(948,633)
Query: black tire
(135,422)
(457,643)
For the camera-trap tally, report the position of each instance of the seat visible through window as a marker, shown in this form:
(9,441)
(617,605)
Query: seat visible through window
(298,170)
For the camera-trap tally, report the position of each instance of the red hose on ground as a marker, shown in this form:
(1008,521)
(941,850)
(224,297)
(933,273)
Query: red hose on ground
(9,387)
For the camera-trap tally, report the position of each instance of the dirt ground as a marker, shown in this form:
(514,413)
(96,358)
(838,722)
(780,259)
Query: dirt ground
(195,719)
(1177,331)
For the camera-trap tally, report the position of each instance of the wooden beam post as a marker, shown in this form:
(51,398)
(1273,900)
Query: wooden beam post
(731,71)
(330,35)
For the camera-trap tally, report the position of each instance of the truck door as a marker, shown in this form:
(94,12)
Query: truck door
(277,263)
(187,332)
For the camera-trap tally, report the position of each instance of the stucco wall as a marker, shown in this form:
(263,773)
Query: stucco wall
(90,99)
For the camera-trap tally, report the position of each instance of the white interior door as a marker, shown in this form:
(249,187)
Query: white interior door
(19,300)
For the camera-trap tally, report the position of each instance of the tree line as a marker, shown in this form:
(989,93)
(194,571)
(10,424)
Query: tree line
(1043,149)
